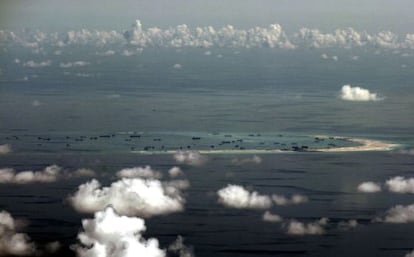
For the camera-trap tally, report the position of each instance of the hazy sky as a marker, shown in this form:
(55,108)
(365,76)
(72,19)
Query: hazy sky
(372,15)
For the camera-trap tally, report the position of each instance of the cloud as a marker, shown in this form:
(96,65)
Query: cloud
(5,149)
(295,199)
(53,247)
(400,185)
(236,196)
(33,64)
(83,75)
(50,174)
(271,36)
(347,225)
(74,64)
(193,158)
(110,235)
(349,93)
(175,172)
(369,187)
(180,249)
(269,217)
(129,196)
(87,37)
(81,173)
(397,184)
(36,103)
(411,254)
(107,53)
(177,66)
(324,56)
(398,214)
(139,172)
(255,160)
(128,53)
(297,228)
(12,242)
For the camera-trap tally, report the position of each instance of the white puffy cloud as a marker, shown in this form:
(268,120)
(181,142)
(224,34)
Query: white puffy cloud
(5,149)
(255,160)
(397,184)
(269,217)
(369,187)
(175,172)
(283,200)
(110,235)
(297,228)
(139,172)
(236,196)
(190,158)
(398,214)
(349,93)
(33,64)
(50,174)
(129,196)
(400,185)
(74,64)
(12,242)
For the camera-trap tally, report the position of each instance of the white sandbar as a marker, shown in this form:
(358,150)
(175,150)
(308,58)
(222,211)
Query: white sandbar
(365,145)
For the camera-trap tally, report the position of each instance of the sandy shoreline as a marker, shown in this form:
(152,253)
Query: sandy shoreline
(366,145)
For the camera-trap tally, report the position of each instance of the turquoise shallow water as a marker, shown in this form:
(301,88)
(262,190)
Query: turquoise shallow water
(167,142)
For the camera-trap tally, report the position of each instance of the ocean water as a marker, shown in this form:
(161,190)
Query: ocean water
(84,117)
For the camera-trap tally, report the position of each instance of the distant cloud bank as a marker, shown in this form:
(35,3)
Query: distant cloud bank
(272,36)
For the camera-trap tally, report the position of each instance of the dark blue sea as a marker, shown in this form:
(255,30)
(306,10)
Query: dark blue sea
(129,111)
